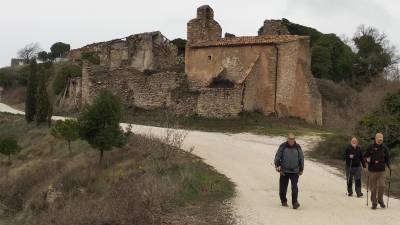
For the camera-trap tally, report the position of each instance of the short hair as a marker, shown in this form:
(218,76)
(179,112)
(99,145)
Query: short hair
(291,135)
(378,134)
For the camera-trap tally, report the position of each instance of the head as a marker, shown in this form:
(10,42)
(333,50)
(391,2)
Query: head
(291,139)
(354,142)
(379,138)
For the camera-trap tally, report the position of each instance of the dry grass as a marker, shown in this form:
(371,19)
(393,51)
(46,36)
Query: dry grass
(343,106)
(145,182)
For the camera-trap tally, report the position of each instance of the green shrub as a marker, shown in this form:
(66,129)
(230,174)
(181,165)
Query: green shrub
(385,119)
(66,72)
(92,57)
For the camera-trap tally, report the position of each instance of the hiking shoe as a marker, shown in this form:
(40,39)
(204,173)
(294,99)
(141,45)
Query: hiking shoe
(284,204)
(349,194)
(382,205)
(296,205)
(359,195)
(374,206)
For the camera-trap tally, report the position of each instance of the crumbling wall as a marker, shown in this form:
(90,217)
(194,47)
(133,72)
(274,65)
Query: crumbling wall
(204,27)
(220,102)
(274,27)
(146,51)
(138,89)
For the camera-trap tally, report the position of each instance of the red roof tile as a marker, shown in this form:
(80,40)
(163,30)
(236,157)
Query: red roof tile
(250,40)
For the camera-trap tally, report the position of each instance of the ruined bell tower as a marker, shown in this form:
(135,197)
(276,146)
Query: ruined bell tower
(203,27)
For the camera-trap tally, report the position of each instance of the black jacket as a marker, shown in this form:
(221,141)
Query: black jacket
(358,159)
(379,155)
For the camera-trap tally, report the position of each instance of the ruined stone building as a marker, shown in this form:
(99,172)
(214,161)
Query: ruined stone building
(269,73)
(223,76)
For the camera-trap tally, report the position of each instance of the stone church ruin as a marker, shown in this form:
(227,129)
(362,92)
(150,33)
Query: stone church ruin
(222,77)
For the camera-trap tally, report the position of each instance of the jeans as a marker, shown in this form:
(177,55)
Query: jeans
(283,186)
(353,172)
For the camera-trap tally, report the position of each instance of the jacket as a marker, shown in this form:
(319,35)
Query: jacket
(290,158)
(358,159)
(379,155)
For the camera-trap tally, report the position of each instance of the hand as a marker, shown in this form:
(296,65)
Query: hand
(368,159)
(351,156)
(278,169)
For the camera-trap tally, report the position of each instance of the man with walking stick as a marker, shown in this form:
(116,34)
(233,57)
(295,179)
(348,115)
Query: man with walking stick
(377,156)
(354,160)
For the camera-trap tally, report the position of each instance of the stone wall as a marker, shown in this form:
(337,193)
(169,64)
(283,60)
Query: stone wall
(220,102)
(204,27)
(146,51)
(297,91)
(274,27)
(138,89)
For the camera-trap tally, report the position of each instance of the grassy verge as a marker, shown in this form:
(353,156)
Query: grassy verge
(330,152)
(255,123)
(136,184)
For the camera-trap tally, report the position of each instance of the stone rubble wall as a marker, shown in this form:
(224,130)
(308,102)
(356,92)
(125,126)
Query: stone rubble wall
(146,51)
(220,102)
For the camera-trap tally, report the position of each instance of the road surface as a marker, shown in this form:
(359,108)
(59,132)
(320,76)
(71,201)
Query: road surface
(247,160)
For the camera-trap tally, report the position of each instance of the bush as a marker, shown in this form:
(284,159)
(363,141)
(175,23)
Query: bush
(92,57)
(385,119)
(66,72)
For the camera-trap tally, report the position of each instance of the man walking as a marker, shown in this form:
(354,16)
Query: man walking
(377,155)
(354,160)
(289,162)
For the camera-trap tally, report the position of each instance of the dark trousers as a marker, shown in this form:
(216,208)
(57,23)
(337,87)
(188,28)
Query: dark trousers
(353,173)
(283,186)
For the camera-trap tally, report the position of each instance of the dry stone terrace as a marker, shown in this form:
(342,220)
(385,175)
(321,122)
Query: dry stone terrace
(222,77)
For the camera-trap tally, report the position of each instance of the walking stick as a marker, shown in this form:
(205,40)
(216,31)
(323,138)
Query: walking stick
(388,192)
(367,186)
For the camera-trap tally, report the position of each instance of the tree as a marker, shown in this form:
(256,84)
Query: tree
(42,100)
(59,49)
(8,147)
(385,119)
(43,56)
(374,53)
(99,123)
(67,130)
(67,72)
(180,44)
(29,52)
(30,102)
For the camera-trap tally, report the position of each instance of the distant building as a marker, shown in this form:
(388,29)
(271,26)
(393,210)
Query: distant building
(17,62)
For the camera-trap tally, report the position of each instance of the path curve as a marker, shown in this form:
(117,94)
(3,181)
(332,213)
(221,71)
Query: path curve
(247,160)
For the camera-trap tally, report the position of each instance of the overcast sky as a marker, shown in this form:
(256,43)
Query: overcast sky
(81,22)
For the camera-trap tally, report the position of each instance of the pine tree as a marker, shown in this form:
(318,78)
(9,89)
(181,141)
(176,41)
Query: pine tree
(99,123)
(42,100)
(30,102)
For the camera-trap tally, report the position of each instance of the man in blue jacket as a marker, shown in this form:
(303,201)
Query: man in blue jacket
(289,162)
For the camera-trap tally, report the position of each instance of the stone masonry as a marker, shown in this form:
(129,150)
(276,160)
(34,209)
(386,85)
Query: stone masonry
(223,77)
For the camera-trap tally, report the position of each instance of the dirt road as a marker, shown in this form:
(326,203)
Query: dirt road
(247,160)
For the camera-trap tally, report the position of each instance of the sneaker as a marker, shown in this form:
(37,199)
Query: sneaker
(382,205)
(296,205)
(359,195)
(374,206)
(284,204)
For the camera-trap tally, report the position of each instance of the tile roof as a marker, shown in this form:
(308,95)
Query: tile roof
(250,40)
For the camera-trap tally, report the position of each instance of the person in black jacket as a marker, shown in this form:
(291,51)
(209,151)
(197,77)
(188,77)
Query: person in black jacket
(377,157)
(354,160)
